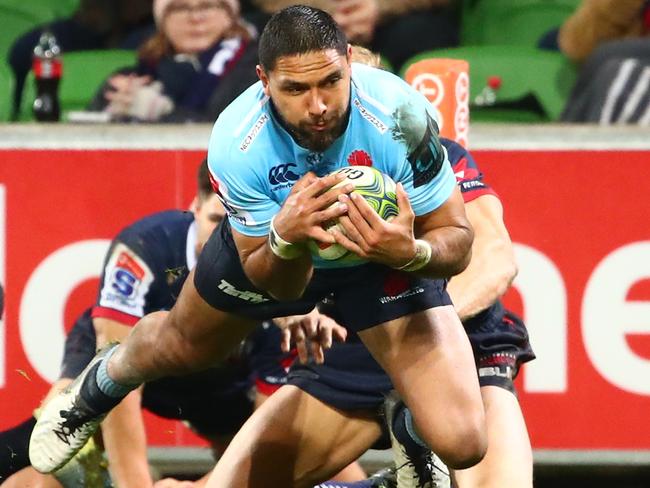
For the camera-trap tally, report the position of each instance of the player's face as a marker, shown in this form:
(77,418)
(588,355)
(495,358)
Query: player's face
(311,92)
(207,214)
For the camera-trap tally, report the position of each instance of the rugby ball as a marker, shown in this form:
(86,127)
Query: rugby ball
(378,189)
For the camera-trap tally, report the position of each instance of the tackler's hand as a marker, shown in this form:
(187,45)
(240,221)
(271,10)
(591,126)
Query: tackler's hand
(313,332)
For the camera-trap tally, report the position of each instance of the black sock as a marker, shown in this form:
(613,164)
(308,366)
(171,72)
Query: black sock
(14,448)
(95,400)
(404,432)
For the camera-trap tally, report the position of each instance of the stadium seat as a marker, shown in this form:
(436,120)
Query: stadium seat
(534,83)
(83,74)
(41,10)
(14,22)
(63,8)
(6,89)
(19,16)
(513,22)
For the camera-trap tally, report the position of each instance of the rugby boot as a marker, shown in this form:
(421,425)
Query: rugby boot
(384,478)
(87,469)
(67,421)
(415,466)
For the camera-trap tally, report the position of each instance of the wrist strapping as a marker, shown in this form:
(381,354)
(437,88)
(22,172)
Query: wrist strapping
(281,248)
(422,256)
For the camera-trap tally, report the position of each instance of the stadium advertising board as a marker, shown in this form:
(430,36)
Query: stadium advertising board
(578,218)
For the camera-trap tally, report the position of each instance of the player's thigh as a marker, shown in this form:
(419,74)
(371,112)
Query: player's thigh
(349,474)
(295,440)
(218,305)
(430,361)
(509,458)
(199,329)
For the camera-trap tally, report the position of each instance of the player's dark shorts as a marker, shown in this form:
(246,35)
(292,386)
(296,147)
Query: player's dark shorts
(215,402)
(500,344)
(350,379)
(385,293)
(79,348)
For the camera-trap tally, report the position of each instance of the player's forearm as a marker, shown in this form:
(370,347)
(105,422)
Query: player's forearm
(485,280)
(451,251)
(126,444)
(283,279)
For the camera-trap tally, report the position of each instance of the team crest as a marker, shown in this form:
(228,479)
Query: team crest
(396,283)
(359,158)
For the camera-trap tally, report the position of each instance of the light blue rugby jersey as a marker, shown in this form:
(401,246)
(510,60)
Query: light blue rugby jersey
(255,162)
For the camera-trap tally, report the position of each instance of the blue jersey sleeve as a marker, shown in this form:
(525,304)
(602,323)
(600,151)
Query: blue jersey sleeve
(241,189)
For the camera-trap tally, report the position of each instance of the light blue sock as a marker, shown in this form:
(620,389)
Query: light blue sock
(410,428)
(106,384)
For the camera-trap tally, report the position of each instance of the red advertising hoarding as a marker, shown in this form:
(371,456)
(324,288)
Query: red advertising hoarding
(579,220)
(60,210)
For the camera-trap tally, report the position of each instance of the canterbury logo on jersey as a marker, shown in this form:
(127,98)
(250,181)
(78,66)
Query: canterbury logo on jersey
(282,174)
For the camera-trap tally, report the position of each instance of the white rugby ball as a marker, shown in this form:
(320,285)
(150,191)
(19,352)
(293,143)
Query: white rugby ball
(378,189)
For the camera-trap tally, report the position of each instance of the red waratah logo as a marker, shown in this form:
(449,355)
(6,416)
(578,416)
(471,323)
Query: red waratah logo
(395,284)
(359,158)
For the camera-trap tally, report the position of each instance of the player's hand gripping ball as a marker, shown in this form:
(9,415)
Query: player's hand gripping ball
(378,189)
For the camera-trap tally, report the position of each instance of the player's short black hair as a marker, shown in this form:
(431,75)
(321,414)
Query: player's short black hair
(203,185)
(296,30)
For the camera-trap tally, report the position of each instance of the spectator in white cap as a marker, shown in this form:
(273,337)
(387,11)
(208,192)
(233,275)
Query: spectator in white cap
(201,57)
(160,6)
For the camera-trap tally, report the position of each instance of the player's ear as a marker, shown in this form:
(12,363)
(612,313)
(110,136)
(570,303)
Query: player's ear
(349,54)
(264,78)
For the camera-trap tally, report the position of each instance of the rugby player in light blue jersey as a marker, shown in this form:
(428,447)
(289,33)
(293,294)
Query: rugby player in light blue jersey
(268,163)
(256,155)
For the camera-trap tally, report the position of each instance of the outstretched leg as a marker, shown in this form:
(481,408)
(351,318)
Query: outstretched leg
(191,337)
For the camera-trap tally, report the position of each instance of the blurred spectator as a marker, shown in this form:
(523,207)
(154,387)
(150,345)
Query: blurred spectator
(610,40)
(598,21)
(395,29)
(97,24)
(201,57)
